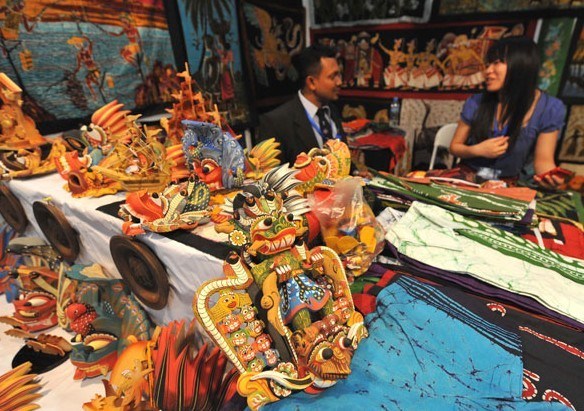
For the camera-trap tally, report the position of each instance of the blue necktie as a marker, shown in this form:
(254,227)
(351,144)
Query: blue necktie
(324,123)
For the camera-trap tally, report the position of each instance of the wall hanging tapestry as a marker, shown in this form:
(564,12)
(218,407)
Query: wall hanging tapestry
(435,57)
(554,42)
(572,149)
(573,88)
(449,7)
(272,36)
(325,13)
(70,57)
(214,54)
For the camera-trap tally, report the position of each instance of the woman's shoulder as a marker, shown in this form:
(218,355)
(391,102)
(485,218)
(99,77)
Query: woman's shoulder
(475,98)
(552,112)
(470,107)
(551,102)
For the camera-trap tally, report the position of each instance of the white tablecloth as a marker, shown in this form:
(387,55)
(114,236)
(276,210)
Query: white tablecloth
(187,267)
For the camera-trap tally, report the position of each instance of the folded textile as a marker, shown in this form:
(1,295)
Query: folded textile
(563,205)
(482,288)
(563,238)
(449,241)
(426,351)
(553,356)
(481,205)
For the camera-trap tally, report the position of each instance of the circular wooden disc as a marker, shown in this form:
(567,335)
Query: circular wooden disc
(57,230)
(142,270)
(12,210)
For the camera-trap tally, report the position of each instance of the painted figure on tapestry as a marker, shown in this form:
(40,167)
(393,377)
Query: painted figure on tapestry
(14,10)
(369,64)
(226,79)
(428,71)
(349,58)
(577,136)
(85,60)
(130,52)
(393,73)
(101,48)
(410,59)
(279,42)
(463,66)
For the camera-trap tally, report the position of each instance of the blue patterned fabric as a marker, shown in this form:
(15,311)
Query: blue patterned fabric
(426,351)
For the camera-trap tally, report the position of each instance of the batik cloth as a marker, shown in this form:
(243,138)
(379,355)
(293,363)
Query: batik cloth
(449,241)
(562,205)
(553,356)
(426,351)
(483,205)
(480,287)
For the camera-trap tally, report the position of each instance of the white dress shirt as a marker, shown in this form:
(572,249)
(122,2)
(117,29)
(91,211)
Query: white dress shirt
(311,109)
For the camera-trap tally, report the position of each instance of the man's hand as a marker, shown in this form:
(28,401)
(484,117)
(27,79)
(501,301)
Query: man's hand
(492,147)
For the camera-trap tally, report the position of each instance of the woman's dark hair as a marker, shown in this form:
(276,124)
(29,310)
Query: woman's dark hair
(518,91)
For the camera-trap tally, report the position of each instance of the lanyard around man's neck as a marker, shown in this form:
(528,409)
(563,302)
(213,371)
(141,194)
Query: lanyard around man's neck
(319,131)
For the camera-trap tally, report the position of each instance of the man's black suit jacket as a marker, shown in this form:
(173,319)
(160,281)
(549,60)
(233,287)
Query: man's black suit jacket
(290,126)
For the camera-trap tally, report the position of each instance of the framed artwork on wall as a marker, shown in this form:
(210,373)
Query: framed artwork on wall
(572,90)
(340,13)
(572,148)
(71,57)
(554,43)
(457,7)
(272,34)
(213,48)
(431,58)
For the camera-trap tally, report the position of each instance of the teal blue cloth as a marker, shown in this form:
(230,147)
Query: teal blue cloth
(427,352)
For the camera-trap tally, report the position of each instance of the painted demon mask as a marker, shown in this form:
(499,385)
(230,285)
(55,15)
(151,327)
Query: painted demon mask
(105,318)
(34,311)
(214,155)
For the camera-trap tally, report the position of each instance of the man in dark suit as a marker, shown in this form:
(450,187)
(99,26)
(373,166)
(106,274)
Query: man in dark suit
(308,120)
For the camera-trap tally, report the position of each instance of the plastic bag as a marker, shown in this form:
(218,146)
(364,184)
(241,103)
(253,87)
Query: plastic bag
(348,225)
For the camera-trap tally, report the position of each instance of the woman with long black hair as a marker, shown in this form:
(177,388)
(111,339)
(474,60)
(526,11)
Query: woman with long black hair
(511,129)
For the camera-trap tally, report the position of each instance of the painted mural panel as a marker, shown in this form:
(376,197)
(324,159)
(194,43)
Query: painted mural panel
(430,58)
(213,48)
(72,56)
(554,43)
(572,149)
(573,87)
(272,35)
(326,13)
(449,7)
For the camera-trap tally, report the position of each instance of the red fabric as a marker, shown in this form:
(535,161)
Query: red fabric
(355,125)
(394,142)
(365,302)
(573,245)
